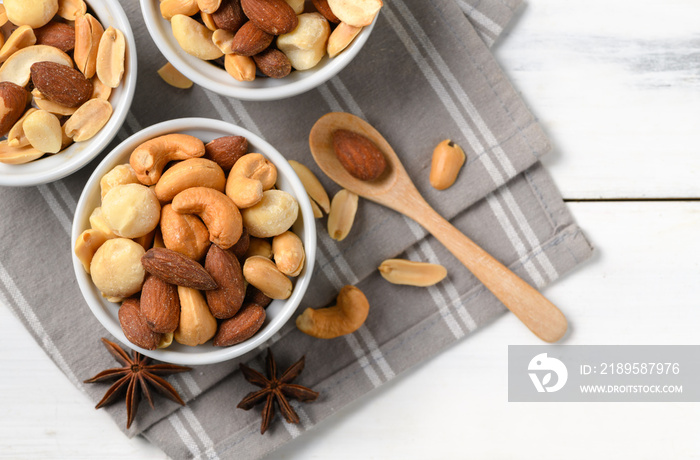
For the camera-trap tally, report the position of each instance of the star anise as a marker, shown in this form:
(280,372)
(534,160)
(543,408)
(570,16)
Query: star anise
(275,389)
(135,376)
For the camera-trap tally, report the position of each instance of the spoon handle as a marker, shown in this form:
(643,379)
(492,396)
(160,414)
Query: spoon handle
(541,316)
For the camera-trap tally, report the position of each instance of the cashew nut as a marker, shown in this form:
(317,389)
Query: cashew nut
(149,158)
(217,211)
(194,172)
(346,316)
(197,324)
(184,233)
(274,214)
(250,176)
(288,252)
(264,275)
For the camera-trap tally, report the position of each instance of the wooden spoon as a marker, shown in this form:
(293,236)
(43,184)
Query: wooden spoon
(394,189)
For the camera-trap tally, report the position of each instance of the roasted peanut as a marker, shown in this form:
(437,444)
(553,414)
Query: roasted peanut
(194,38)
(217,211)
(273,215)
(400,271)
(197,325)
(169,8)
(288,252)
(111,53)
(242,68)
(116,268)
(341,37)
(131,210)
(87,245)
(21,37)
(448,159)
(342,215)
(259,247)
(88,33)
(88,120)
(43,131)
(305,46)
(345,317)
(312,185)
(250,176)
(173,77)
(264,275)
(149,158)
(357,13)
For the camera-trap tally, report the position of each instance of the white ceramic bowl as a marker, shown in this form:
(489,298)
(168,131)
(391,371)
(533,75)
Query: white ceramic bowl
(278,312)
(54,167)
(219,81)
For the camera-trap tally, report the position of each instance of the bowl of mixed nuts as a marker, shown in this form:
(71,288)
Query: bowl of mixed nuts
(67,80)
(260,49)
(194,241)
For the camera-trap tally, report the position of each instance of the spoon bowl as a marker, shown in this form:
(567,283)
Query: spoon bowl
(395,190)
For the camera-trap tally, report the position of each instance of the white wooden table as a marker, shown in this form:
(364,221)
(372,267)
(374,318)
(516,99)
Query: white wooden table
(616,84)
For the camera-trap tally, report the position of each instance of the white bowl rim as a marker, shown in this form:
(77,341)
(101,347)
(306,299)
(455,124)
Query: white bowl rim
(67,162)
(214,355)
(280,89)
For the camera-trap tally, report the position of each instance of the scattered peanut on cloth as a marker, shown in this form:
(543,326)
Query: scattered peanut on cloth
(72,63)
(194,239)
(270,38)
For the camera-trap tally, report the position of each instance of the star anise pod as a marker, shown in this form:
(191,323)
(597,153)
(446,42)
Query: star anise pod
(275,389)
(135,377)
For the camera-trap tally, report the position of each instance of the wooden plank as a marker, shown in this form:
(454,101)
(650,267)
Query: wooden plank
(616,86)
(640,288)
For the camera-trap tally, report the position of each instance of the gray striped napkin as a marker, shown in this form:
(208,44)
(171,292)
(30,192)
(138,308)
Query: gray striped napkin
(424,75)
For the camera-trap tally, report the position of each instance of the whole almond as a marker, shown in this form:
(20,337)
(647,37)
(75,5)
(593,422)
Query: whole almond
(256,296)
(275,17)
(273,63)
(135,326)
(358,155)
(160,305)
(13,100)
(250,40)
(61,84)
(224,267)
(57,34)
(241,247)
(323,8)
(229,16)
(175,268)
(225,151)
(241,327)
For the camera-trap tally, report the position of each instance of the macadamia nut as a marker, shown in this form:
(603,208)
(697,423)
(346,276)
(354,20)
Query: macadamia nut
(131,210)
(305,46)
(116,268)
(273,215)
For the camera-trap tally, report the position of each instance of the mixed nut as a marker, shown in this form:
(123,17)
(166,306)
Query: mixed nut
(193,240)
(59,66)
(253,38)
